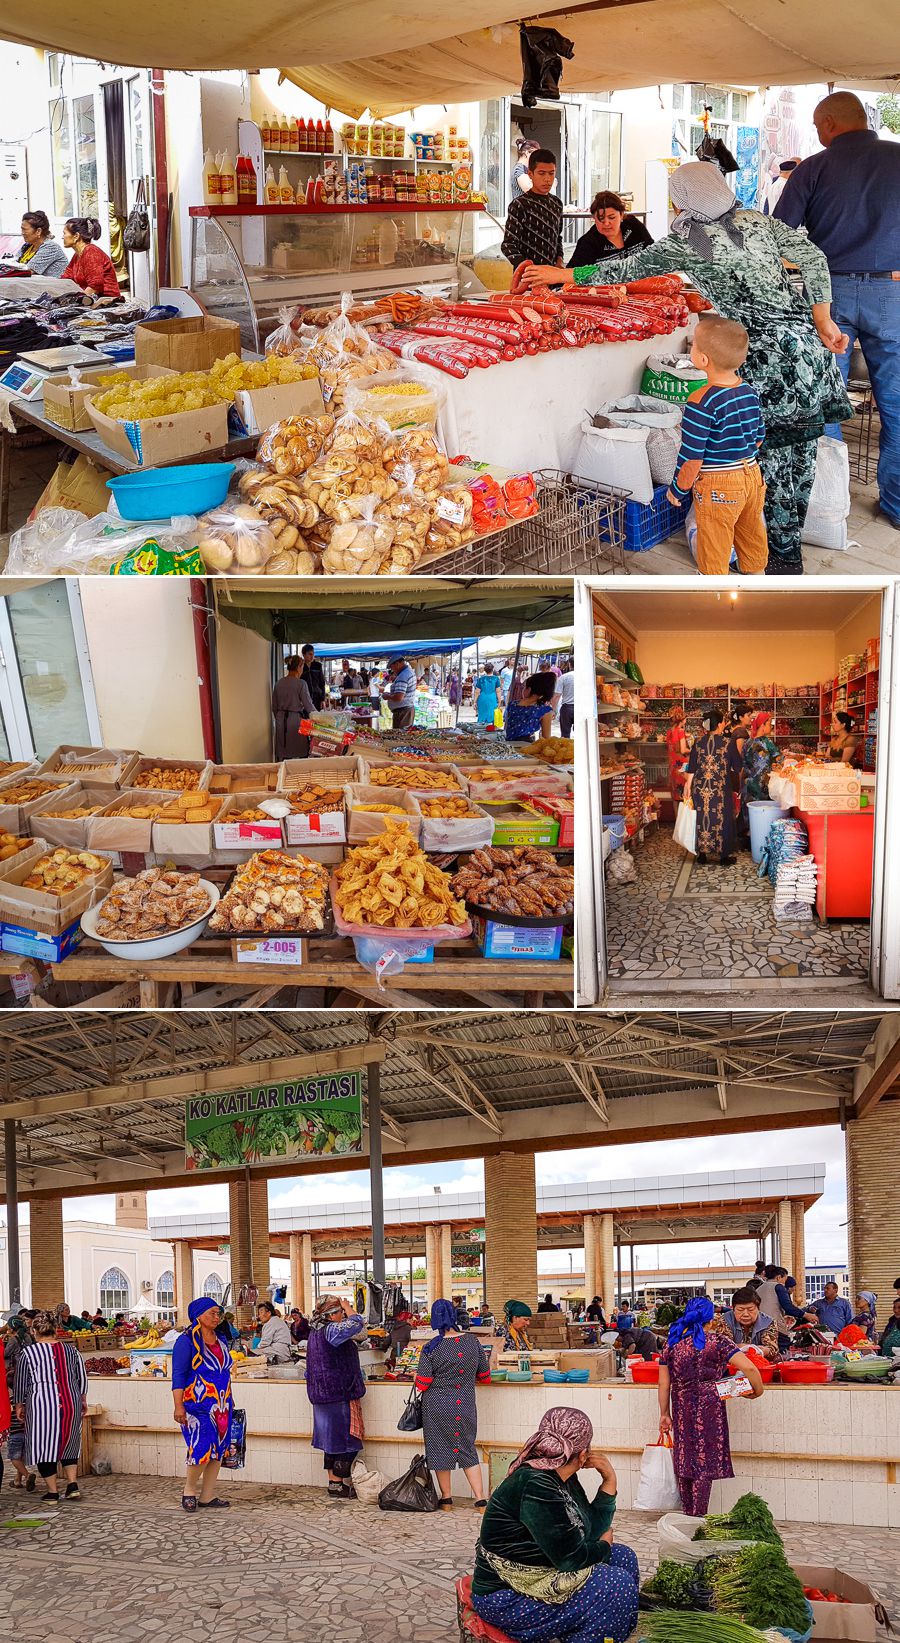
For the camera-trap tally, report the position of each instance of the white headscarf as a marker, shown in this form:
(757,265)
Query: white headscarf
(702,195)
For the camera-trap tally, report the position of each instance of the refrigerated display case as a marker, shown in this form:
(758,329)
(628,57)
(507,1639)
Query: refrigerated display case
(248,262)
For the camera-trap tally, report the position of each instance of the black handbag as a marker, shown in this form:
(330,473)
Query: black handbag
(136,233)
(411,1418)
(414,1492)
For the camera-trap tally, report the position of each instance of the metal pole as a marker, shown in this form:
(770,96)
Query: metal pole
(619,1269)
(631,1253)
(515,665)
(12,1212)
(411,1282)
(459,687)
(376,1173)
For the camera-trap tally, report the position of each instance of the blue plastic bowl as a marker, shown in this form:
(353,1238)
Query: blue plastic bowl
(161,492)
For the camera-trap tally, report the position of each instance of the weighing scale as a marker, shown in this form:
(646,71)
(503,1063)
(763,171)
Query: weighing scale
(26,377)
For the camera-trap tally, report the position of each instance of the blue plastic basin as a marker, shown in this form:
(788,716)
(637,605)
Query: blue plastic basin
(161,492)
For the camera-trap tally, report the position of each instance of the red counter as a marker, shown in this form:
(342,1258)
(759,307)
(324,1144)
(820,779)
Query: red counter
(843,845)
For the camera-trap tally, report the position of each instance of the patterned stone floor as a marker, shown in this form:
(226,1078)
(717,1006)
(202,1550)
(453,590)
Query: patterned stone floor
(126,1566)
(691,927)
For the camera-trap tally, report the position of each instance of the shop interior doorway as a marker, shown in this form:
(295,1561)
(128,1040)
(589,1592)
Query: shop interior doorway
(670,923)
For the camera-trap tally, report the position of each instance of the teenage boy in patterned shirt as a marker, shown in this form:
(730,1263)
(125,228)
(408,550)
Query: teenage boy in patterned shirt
(534,221)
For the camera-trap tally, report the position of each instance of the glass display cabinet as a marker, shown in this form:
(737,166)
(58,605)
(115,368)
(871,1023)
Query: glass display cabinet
(247,263)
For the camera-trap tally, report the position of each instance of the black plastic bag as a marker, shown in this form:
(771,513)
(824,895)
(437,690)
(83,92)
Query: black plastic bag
(236,1453)
(411,1418)
(414,1492)
(542,53)
(713,148)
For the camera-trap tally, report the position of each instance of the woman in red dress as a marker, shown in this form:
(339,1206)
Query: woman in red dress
(677,745)
(90,267)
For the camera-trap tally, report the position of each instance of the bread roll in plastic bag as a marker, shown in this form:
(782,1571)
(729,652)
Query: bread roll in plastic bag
(359,542)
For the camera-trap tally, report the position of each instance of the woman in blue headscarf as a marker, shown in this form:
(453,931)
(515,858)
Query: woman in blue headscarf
(866,1309)
(449,1365)
(696,1355)
(201,1387)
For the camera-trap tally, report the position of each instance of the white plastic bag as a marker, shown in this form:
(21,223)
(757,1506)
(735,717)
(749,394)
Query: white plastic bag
(690,531)
(675,1533)
(368,1485)
(658,1488)
(663,424)
(686,828)
(825,525)
(616,456)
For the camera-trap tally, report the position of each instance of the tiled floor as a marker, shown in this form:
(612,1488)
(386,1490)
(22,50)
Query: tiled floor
(126,1566)
(686,928)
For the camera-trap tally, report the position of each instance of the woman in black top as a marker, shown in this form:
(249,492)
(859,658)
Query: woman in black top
(615,232)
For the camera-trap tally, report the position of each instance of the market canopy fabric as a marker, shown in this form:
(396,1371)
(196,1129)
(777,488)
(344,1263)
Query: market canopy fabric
(618,46)
(338,613)
(397,647)
(618,43)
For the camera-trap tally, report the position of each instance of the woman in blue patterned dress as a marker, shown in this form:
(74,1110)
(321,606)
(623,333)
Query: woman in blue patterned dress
(449,1365)
(713,779)
(736,259)
(201,1388)
(533,711)
(696,1355)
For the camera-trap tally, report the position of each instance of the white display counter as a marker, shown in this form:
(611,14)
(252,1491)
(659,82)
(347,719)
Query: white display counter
(817,1454)
(526,413)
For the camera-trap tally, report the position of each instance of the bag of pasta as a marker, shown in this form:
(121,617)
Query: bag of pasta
(349,467)
(419,449)
(291,446)
(361,541)
(235,540)
(284,340)
(409,511)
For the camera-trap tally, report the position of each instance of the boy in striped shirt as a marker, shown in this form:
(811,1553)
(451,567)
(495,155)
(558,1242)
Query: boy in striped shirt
(721,432)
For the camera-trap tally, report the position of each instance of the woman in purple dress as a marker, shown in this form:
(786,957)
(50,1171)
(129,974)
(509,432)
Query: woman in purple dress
(335,1385)
(690,1409)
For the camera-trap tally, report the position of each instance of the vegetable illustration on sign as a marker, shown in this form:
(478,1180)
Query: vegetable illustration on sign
(319,1116)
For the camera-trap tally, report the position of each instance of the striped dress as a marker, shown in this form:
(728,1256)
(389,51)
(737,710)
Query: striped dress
(51,1382)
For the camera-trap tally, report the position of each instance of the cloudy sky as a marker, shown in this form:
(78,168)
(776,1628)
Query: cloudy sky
(826,1237)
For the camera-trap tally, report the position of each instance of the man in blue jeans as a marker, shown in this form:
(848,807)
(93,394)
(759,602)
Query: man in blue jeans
(848,199)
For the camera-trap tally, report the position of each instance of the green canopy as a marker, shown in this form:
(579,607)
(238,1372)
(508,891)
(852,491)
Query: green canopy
(335,611)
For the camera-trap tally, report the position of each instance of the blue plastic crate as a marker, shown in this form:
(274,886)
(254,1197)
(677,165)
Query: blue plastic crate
(647,523)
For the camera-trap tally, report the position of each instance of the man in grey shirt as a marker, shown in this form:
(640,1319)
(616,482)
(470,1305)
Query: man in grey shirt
(400,694)
(274,1336)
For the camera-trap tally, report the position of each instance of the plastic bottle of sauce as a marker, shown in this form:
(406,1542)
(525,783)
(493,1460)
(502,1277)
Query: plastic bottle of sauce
(272,196)
(320,137)
(302,137)
(228,180)
(285,191)
(329,138)
(265,131)
(246,180)
(293,137)
(212,187)
(284,136)
(311,191)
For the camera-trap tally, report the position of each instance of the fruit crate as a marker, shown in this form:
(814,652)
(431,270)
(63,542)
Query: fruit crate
(649,523)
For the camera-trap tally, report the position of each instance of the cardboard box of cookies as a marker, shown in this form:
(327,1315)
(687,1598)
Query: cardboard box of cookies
(127,822)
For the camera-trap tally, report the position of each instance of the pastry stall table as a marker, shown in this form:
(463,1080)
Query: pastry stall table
(526,413)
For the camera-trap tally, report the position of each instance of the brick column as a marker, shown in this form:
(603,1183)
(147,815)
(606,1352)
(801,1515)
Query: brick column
(445,1245)
(48,1283)
(874,1222)
(248,1233)
(432,1265)
(300,1288)
(599,1272)
(510,1229)
(183,1262)
(785,1233)
(798,1266)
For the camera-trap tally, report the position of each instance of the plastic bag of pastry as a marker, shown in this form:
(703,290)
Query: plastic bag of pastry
(284,339)
(359,542)
(410,513)
(288,448)
(236,540)
(61,542)
(418,447)
(350,466)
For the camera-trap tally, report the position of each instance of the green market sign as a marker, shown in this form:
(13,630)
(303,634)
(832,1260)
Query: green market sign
(316,1117)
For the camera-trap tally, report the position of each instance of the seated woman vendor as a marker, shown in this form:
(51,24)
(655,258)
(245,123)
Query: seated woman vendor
(40,252)
(533,712)
(615,232)
(545,1565)
(90,267)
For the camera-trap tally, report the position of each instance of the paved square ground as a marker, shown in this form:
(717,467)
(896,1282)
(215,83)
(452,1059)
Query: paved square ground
(125,1565)
(681,927)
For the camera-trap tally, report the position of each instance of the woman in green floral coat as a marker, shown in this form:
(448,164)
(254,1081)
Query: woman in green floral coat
(736,260)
